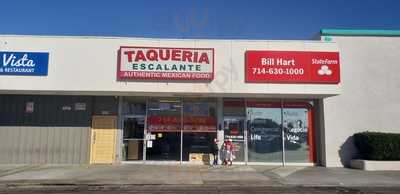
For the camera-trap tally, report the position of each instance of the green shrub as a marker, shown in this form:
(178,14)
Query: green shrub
(378,146)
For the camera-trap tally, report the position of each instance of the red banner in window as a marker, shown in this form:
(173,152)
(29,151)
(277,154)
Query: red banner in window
(173,124)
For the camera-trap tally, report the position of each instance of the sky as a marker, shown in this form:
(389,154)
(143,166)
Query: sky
(208,19)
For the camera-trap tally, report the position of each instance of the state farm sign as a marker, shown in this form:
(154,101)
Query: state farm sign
(160,63)
(292,67)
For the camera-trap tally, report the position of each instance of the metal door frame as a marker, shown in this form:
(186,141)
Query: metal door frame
(245,161)
(134,116)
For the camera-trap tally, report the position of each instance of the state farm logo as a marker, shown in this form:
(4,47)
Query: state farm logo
(324,70)
(166,63)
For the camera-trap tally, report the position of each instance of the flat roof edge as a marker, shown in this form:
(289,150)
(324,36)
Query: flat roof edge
(157,39)
(359,32)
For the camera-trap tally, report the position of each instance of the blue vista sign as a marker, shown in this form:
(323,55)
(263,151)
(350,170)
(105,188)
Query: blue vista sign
(24,63)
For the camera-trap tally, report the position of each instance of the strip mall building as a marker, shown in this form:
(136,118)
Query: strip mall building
(81,100)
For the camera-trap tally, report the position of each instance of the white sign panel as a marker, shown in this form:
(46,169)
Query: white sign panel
(149,144)
(80,106)
(160,63)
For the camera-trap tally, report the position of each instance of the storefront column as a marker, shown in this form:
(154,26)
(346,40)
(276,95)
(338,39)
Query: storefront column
(320,140)
(119,140)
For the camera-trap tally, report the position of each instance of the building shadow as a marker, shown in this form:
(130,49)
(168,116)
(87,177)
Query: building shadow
(347,152)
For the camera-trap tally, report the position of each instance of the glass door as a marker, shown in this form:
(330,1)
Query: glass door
(133,138)
(234,130)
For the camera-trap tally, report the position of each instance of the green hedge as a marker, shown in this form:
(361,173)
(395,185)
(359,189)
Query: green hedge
(378,146)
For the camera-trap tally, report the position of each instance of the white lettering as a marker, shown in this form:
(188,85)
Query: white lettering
(267,61)
(325,61)
(14,62)
(255,137)
(284,62)
(292,138)
(298,130)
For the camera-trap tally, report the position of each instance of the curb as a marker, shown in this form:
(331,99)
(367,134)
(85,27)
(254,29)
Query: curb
(125,187)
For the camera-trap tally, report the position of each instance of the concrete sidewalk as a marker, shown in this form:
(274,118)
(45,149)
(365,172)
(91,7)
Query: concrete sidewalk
(136,174)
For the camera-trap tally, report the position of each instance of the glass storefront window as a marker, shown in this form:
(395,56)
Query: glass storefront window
(297,128)
(134,106)
(134,114)
(199,128)
(264,132)
(164,123)
(199,115)
(234,130)
(195,144)
(234,126)
(184,129)
(134,128)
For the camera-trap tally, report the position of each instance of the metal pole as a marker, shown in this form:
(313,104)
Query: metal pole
(181,130)
(283,137)
(246,151)
(220,125)
(145,131)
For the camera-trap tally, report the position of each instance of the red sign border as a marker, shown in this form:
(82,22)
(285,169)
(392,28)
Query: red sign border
(168,79)
(289,82)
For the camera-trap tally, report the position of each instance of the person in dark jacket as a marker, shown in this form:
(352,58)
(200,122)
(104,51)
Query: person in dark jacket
(215,149)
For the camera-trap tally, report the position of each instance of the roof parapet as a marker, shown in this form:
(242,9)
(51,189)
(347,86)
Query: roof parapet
(358,32)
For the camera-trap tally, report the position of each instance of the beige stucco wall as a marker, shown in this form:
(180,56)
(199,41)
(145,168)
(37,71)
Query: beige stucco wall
(370,94)
(88,65)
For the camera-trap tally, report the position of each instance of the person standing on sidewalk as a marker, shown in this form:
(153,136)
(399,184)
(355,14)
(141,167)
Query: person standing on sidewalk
(224,153)
(229,150)
(215,149)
